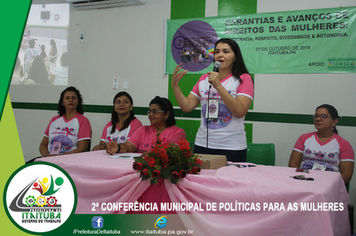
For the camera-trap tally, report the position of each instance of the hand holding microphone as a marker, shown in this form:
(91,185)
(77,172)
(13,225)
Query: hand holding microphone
(212,75)
(217,65)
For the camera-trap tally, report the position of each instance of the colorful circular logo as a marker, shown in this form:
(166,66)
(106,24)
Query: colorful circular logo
(212,108)
(193,44)
(39,197)
(224,116)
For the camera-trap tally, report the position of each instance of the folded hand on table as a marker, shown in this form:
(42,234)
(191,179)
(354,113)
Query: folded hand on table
(112,147)
(98,147)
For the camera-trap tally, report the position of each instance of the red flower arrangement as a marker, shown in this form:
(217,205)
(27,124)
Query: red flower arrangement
(167,161)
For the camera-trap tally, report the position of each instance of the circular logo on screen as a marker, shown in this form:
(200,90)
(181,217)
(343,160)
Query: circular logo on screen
(39,197)
(193,44)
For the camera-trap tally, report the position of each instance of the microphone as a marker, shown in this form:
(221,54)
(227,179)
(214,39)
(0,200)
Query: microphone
(217,65)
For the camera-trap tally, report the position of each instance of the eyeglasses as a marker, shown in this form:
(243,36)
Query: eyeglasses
(322,116)
(154,112)
(124,102)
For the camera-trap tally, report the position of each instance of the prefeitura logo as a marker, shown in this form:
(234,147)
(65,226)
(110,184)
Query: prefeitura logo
(39,197)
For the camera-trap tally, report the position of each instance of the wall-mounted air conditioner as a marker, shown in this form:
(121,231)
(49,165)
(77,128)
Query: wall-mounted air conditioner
(95,4)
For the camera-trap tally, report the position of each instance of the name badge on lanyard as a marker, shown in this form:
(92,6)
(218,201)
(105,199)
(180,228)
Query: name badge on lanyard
(212,110)
(318,166)
(56,147)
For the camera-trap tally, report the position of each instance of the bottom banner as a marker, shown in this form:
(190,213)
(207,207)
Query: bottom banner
(136,224)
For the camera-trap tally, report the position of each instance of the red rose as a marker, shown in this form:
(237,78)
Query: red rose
(137,166)
(175,174)
(144,172)
(163,155)
(184,145)
(151,161)
(190,172)
(198,161)
(156,173)
(187,153)
(182,173)
(196,169)
(157,141)
(165,159)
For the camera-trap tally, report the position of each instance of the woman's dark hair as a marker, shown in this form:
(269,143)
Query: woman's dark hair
(332,111)
(52,42)
(31,43)
(38,71)
(62,109)
(165,105)
(43,51)
(54,47)
(115,117)
(238,66)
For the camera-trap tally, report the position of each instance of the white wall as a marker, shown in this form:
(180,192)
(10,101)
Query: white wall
(122,43)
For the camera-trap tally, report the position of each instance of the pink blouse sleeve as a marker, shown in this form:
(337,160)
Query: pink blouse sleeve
(195,89)
(346,152)
(105,131)
(46,133)
(84,129)
(246,87)
(299,145)
(135,124)
(135,139)
(179,135)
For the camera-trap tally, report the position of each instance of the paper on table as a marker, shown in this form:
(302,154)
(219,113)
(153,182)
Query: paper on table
(127,156)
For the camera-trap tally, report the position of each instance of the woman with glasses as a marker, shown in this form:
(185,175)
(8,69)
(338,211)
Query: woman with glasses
(324,149)
(161,116)
(123,122)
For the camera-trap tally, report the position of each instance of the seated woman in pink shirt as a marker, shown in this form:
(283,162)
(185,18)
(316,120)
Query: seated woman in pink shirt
(123,122)
(324,149)
(161,116)
(68,132)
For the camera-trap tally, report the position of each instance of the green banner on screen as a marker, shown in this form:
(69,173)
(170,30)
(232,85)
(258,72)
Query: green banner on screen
(308,41)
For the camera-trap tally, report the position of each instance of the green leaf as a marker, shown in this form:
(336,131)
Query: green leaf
(178,167)
(154,181)
(144,177)
(145,165)
(166,173)
(174,180)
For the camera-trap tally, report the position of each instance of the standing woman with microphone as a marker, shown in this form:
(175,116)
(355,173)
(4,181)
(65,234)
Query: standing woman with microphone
(225,95)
